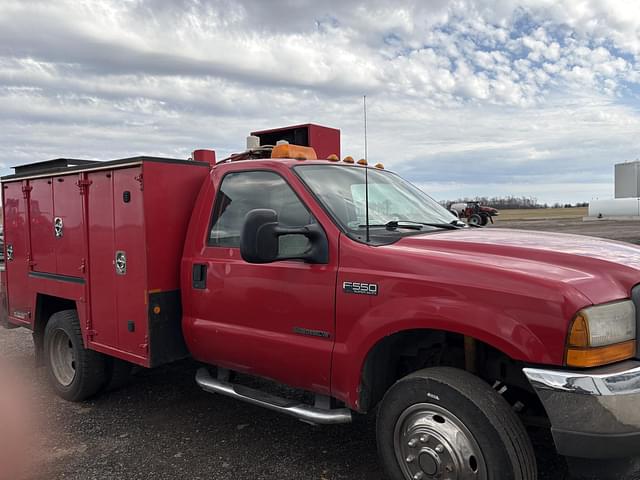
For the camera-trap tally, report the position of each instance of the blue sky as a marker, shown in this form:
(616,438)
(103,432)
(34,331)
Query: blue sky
(465,98)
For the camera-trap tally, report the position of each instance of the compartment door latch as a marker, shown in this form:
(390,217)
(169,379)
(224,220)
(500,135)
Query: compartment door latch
(58,227)
(121,262)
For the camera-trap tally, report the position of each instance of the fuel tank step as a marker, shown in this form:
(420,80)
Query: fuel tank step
(306,413)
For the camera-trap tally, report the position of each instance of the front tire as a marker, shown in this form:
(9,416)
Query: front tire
(446,423)
(74,372)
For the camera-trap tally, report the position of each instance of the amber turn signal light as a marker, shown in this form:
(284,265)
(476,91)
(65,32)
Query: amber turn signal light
(581,354)
(579,334)
(594,357)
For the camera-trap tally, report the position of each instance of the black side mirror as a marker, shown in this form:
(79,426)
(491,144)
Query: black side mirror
(260,239)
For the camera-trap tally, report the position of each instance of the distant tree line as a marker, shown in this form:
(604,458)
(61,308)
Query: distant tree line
(512,202)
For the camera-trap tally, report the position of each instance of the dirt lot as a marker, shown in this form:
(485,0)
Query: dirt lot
(628,231)
(164,427)
(542,213)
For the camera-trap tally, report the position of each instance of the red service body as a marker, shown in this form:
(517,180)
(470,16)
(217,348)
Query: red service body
(70,232)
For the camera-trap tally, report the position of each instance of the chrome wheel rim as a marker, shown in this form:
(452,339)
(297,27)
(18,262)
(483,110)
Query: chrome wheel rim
(432,443)
(62,358)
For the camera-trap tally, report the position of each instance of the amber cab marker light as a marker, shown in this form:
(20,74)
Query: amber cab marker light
(362,161)
(380,166)
(348,159)
(333,158)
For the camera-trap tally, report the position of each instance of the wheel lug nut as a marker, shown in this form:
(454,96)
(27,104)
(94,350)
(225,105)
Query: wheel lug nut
(439,449)
(412,443)
(449,468)
(410,458)
(418,476)
(424,438)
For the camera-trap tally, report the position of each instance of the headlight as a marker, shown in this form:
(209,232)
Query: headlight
(602,334)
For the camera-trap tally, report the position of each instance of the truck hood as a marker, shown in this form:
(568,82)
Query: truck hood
(602,270)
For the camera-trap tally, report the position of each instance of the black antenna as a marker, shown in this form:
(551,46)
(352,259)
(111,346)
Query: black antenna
(366,168)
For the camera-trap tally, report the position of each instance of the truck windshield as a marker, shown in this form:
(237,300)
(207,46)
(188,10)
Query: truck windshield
(395,206)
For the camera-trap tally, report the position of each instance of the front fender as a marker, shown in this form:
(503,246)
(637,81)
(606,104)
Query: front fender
(505,303)
(501,328)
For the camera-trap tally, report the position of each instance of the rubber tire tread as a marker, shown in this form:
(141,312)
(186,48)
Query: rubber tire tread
(497,412)
(90,365)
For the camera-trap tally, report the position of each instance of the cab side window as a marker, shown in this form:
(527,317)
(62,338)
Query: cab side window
(242,192)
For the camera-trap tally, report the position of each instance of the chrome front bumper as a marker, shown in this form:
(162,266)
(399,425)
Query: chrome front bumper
(594,413)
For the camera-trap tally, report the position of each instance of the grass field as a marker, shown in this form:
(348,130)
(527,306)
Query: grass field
(541,214)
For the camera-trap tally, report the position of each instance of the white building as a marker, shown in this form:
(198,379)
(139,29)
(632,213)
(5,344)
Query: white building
(626,204)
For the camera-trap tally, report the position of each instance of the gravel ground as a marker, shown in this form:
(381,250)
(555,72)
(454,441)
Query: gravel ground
(163,426)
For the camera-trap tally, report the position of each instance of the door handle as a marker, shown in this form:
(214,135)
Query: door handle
(199,276)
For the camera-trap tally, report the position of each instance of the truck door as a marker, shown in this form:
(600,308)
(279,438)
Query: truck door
(274,320)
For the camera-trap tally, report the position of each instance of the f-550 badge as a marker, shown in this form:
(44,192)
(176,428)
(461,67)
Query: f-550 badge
(360,288)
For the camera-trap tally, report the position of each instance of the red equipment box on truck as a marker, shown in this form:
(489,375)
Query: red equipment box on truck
(107,236)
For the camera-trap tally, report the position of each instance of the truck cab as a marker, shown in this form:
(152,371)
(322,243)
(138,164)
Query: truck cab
(339,279)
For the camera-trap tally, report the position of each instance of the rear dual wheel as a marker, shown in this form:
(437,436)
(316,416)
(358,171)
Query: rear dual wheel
(74,372)
(444,423)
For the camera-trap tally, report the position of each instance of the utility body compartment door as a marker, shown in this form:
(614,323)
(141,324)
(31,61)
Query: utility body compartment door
(57,233)
(116,231)
(43,240)
(68,228)
(16,244)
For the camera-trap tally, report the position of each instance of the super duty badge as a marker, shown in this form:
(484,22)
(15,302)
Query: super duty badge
(360,288)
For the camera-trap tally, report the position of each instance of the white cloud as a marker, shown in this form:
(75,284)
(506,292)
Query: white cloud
(511,95)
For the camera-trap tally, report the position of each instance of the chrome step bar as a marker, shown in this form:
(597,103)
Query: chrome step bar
(306,413)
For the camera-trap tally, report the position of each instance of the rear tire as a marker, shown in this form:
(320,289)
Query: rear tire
(74,372)
(444,422)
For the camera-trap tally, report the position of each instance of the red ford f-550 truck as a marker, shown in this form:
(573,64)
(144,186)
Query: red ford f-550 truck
(335,278)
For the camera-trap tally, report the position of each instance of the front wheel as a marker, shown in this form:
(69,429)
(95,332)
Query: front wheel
(446,423)
(74,372)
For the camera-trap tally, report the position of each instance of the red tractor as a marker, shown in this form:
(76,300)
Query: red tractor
(473,212)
